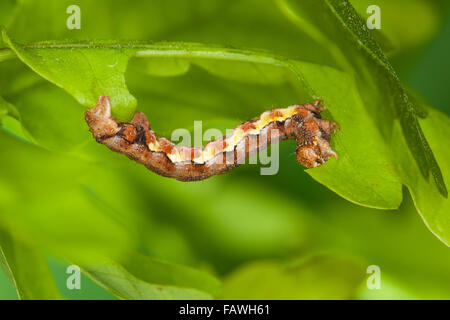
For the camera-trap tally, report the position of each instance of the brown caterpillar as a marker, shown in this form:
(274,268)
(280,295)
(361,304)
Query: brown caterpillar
(135,139)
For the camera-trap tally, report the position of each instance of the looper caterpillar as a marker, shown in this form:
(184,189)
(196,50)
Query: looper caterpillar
(135,139)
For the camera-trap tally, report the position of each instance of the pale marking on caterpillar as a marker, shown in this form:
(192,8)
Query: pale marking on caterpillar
(135,139)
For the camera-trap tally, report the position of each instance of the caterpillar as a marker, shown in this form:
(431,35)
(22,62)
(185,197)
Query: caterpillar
(138,142)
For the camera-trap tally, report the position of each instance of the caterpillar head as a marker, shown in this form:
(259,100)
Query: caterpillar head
(315,150)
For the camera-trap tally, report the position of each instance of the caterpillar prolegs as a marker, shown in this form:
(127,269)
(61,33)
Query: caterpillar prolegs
(135,139)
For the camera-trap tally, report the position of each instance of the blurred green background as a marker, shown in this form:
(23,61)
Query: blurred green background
(282,236)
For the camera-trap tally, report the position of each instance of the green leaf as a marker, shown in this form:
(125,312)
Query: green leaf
(340,27)
(142,278)
(319,277)
(81,73)
(372,188)
(433,208)
(26,268)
